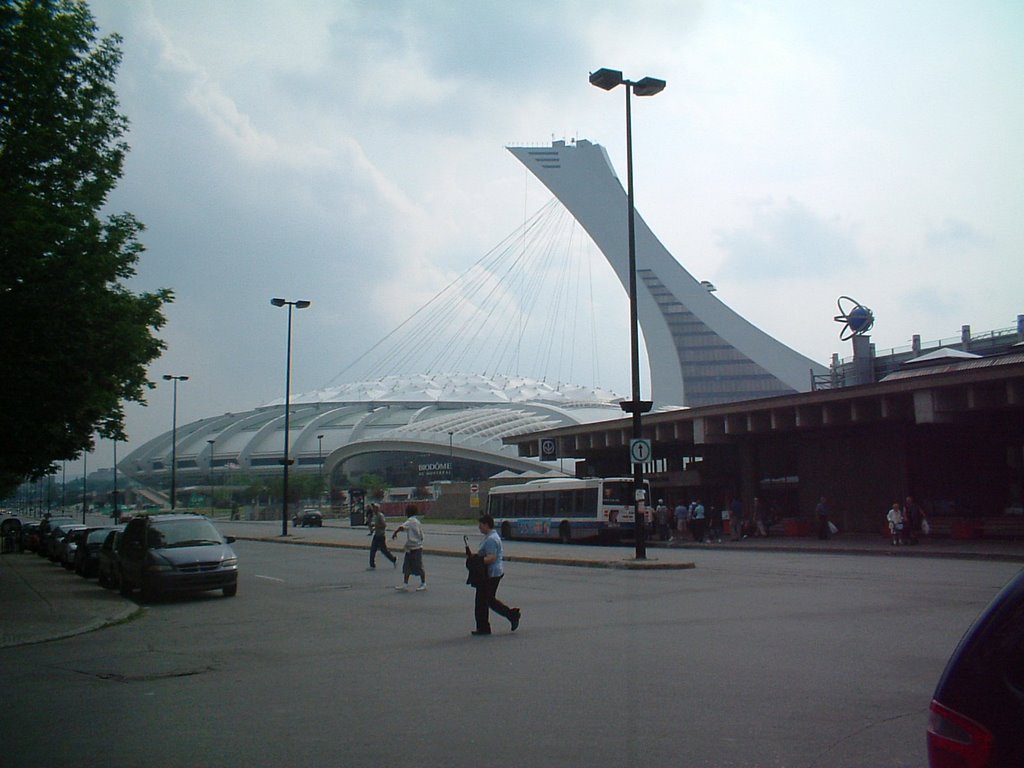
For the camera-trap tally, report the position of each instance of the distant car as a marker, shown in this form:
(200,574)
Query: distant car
(176,553)
(108,568)
(309,518)
(87,553)
(67,548)
(978,706)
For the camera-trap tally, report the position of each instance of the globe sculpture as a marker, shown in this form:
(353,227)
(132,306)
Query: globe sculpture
(855,317)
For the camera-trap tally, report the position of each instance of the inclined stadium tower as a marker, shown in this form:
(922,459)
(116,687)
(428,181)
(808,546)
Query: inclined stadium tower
(417,428)
(700,351)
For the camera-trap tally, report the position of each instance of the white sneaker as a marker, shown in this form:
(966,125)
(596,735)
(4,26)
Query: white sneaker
(402,588)
(421,588)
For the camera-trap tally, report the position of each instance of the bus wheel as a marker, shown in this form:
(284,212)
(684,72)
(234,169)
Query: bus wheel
(564,533)
(506,530)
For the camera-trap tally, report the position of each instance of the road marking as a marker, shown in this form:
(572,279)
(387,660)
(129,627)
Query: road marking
(269,578)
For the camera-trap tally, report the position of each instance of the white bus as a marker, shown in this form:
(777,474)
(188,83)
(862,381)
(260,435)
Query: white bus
(565,509)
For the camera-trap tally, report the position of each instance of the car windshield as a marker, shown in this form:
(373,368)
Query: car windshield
(184,533)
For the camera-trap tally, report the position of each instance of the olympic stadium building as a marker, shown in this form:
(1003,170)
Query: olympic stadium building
(409,430)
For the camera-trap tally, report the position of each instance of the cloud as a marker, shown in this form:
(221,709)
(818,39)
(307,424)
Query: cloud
(788,240)
(956,235)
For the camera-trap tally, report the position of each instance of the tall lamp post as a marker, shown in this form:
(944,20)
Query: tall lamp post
(648,86)
(174,434)
(285,461)
(320,462)
(117,514)
(211,443)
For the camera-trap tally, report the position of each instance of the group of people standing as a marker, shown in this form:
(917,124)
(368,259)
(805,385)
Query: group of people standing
(906,523)
(708,523)
(490,553)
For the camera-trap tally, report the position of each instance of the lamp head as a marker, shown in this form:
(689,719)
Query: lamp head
(278,302)
(302,304)
(648,86)
(606,78)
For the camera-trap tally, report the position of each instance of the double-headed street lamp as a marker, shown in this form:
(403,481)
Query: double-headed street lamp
(174,433)
(648,86)
(285,461)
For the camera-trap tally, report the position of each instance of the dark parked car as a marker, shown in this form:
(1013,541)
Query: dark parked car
(58,542)
(46,528)
(309,518)
(67,549)
(108,569)
(87,554)
(978,706)
(30,536)
(176,553)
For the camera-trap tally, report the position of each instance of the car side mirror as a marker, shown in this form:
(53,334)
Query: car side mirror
(229,539)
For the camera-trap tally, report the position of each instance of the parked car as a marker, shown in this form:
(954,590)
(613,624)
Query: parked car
(30,536)
(58,540)
(108,567)
(46,528)
(176,553)
(67,548)
(87,554)
(978,706)
(309,518)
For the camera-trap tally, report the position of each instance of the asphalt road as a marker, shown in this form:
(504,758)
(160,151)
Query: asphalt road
(750,659)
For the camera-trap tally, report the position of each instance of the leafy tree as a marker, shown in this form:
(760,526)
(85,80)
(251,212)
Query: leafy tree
(75,341)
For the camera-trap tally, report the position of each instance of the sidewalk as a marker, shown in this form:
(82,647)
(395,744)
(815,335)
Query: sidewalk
(40,601)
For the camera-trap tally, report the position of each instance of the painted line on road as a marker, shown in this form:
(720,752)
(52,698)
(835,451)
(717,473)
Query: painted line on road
(269,578)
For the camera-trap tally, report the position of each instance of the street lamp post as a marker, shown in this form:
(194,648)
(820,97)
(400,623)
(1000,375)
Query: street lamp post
(285,460)
(85,476)
(211,443)
(320,462)
(648,86)
(174,434)
(117,514)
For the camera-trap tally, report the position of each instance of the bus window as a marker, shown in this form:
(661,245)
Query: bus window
(532,506)
(550,505)
(618,493)
(586,502)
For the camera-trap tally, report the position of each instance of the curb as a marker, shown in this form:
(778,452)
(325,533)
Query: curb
(630,565)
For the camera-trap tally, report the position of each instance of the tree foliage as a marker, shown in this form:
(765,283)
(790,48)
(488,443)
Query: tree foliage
(74,340)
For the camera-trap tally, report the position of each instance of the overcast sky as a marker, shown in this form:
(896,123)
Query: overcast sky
(352,154)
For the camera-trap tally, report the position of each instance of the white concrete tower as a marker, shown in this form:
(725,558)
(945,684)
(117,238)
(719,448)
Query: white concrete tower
(700,351)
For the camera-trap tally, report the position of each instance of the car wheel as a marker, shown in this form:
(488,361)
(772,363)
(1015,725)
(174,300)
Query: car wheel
(230,591)
(124,587)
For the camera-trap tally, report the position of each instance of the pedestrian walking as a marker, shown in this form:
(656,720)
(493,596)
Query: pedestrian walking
(736,521)
(697,519)
(821,510)
(492,552)
(379,528)
(661,514)
(682,515)
(412,563)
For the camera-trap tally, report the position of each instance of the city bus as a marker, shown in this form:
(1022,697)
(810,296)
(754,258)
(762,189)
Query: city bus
(567,509)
